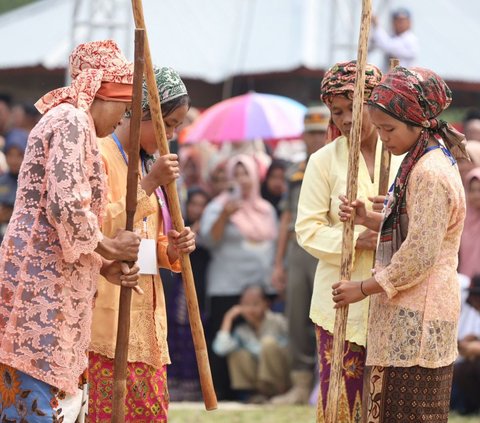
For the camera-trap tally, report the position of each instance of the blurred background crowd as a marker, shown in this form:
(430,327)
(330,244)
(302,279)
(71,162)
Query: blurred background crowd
(242,163)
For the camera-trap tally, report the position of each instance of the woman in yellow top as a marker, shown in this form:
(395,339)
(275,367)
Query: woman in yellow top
(319,230)
(415,298)
(147,396)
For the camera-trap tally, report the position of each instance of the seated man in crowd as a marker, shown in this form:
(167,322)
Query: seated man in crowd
(256,348)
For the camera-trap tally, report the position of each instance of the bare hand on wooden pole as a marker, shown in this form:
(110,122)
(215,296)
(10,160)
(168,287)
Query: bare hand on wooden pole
(334,388)
(200,345)
(123,330)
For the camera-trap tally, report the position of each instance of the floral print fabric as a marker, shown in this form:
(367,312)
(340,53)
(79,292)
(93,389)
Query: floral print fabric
(90,65)
(170,86)
(350,401)
(147,394)
(48,267)
(25,399)
(340,80)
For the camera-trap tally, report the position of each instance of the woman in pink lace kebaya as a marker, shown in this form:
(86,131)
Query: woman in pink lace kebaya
(53,250)
(414,293)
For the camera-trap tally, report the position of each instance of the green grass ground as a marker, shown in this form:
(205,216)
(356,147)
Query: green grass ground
(237,413)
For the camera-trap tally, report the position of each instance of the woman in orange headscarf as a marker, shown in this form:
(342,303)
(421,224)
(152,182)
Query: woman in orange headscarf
(53,251)
(239,229)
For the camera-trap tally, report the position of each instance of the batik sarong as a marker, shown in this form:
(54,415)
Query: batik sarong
(26,399)
(147,394)
(409,394)
(350,401)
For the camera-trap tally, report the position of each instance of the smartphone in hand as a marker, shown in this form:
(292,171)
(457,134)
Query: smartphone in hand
(235,192)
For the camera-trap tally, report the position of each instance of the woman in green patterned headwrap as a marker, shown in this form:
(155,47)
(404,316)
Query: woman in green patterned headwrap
(147,395)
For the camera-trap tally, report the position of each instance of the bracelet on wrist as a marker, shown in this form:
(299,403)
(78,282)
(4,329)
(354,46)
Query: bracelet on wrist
(361,289)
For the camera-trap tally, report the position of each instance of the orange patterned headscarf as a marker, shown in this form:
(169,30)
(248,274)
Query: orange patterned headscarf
(92,64)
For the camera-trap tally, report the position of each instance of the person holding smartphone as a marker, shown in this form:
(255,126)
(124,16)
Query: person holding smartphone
(239,229)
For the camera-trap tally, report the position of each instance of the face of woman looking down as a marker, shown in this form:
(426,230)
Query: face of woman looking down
(107,115)
(397,136)
(171,122)
(341,111)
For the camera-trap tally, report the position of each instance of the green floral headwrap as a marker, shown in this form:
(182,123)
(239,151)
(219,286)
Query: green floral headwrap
(169,84)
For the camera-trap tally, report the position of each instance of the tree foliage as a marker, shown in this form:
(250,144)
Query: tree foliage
(7,5)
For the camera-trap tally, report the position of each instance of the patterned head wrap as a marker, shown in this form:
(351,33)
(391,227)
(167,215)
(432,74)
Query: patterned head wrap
(416,97)
(169,84)
(340,80)
(90,65)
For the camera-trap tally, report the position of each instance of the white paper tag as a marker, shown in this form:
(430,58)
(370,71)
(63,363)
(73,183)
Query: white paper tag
(147,257)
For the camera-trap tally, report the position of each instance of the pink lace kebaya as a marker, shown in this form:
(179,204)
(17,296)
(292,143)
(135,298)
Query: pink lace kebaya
(48,268)
(48,264)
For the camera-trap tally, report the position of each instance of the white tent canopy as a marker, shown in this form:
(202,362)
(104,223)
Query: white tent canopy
(215,39)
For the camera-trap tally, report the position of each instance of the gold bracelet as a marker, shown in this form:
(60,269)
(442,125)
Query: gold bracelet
(361,289)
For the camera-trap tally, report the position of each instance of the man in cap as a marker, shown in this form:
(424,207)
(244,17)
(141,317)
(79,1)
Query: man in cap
(402,45)
(294,269)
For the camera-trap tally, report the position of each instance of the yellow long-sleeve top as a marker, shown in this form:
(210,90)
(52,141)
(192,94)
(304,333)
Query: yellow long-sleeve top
(148,322)
(319,230)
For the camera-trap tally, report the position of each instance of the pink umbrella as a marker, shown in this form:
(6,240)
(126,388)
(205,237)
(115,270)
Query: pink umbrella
(248,117)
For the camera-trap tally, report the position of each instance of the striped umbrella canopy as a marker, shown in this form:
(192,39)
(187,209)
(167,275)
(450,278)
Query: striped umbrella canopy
(248,117)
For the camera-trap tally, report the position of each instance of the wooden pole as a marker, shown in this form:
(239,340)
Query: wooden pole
(386,157)
(382,190)
(335,384)
(199,343)
(123,330)
(384,171)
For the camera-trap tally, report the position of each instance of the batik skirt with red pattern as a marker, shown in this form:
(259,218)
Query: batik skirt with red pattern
(147,393)
(350,400)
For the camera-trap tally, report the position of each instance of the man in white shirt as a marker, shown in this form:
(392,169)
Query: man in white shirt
(402,45)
